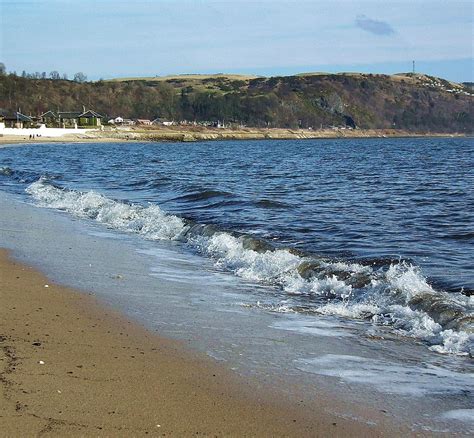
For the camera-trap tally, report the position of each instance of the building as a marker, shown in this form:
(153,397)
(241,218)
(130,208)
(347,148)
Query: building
(163,122)
(143,122)
(71,119)
(50,118)
(16,119)
(68,119)
(90,118)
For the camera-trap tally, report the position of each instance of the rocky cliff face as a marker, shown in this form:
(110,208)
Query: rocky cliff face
(380,102)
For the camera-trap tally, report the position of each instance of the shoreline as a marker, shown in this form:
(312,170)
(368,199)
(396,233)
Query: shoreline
(186,134)
(70,365)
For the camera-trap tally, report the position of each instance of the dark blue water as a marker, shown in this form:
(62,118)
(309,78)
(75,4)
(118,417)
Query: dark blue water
(373,229)
(352,199)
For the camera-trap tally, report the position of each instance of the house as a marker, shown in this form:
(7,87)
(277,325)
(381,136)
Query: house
(71,119)
(117,121)
(143,122)
(163,122)
(68,118)
(48,115)
(50,118)
(90,118)
(16,119)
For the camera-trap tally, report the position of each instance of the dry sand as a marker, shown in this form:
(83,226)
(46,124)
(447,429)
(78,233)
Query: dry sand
(70,367)
(192,134)
(9,140)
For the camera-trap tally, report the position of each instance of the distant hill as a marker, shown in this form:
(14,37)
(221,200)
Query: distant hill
(412,102)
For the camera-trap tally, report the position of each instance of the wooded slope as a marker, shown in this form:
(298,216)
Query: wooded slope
(410,102)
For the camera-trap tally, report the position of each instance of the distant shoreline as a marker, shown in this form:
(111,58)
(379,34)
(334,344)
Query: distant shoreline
(191,134)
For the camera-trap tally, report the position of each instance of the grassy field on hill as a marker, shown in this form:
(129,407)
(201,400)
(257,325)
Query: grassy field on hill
(188,77)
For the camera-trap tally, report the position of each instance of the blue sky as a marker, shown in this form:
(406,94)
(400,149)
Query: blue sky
(105,38)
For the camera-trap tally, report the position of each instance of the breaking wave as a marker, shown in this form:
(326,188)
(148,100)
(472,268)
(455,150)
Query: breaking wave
(390,293)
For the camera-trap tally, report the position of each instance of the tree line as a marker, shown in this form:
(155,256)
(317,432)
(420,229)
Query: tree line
(53,75)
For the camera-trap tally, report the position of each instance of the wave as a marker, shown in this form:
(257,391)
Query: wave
(388,292)
(462,236)
(23,176)
(149,221)
(272,204)
(202,195)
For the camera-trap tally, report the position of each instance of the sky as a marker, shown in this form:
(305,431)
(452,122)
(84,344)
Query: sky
(107,39)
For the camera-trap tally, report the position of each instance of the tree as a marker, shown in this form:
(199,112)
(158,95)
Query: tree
(54,75)
(186,108)
(80,77)
(3,69)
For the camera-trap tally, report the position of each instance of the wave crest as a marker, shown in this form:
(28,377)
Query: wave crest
(392,294)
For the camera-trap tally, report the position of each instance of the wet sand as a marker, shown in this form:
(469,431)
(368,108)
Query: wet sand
(70,367)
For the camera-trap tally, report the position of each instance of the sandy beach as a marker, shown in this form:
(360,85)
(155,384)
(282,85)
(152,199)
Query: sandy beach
(12,140)
(70,367)
(193,134)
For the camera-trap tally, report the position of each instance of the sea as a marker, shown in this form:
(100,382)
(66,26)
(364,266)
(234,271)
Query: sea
(343,267)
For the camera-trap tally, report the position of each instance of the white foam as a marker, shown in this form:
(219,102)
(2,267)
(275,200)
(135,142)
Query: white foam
(464,415)
(313,327)
(270,266)
(452,342)
(385,298)
(406,281)
(151,222)
(392,378)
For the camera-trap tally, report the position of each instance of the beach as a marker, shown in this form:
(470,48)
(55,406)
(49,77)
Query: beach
(70,367)
(194,134)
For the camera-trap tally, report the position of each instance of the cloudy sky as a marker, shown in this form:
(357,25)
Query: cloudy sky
(105,38)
